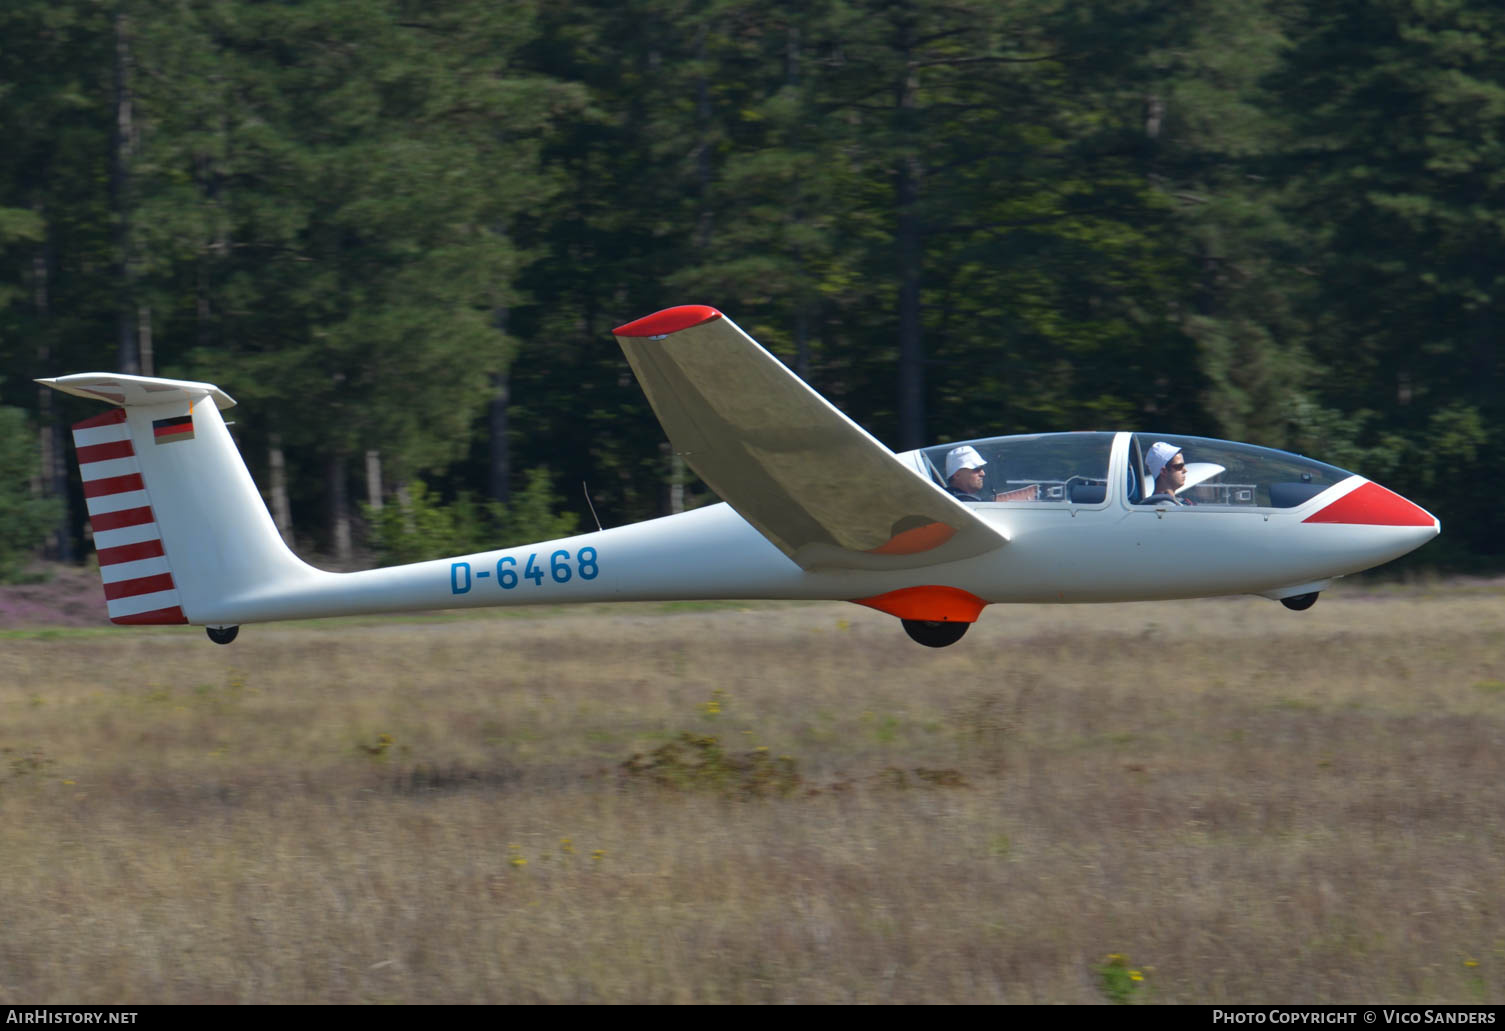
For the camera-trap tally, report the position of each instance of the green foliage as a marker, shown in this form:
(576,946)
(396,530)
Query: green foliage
(530,515)
(374,222)
(1119,982)
(1393,165)
(25,517)
(425,528)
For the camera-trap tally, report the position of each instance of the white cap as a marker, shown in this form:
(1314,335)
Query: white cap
(1160,454)
(964,457)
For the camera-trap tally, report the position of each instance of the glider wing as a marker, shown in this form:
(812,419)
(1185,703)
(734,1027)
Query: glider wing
(817,485)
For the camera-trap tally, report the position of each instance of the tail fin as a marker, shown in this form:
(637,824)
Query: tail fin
(178,523)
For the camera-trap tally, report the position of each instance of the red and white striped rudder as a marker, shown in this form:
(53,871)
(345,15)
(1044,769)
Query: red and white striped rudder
(139,587)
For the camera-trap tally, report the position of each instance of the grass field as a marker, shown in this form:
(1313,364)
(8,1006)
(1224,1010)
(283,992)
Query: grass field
(1192,802)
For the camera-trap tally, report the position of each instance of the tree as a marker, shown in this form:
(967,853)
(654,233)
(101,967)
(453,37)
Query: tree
(56,293)
(1397,109)
(25,516)
(328,189)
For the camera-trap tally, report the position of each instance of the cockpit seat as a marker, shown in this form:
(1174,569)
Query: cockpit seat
(1088,493)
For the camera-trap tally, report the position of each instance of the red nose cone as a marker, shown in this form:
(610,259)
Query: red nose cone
(1373,505)
(670,320)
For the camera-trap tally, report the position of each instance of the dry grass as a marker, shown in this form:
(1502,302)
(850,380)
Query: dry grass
(1248,805)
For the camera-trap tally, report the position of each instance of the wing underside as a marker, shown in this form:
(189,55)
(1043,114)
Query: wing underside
(812,481)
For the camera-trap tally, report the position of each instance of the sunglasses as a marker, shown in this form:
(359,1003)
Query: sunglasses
(1177,467)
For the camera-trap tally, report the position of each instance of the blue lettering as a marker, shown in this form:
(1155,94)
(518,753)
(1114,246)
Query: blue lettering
(505,574)
(455,585)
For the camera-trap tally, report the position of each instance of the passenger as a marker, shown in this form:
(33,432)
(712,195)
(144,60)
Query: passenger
(1165,466)
(964,478)
(964,473)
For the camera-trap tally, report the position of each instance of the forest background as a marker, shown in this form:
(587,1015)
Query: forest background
(400,232)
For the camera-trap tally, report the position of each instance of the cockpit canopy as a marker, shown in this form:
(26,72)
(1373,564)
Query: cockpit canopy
(1037,467)
(1073,468)
(1223,473)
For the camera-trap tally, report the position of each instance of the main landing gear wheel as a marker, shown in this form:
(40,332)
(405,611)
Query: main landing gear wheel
(934,635)
(222,634)
(1301,602)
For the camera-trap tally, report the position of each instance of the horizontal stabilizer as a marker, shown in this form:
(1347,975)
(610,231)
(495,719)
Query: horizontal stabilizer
(817,485)
(128,391)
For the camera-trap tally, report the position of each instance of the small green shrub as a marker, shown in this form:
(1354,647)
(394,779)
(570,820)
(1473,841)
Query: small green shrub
(1120,982)
(698,762)
(426,528)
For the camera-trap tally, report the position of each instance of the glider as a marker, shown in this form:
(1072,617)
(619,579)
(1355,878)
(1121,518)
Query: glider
(814,508)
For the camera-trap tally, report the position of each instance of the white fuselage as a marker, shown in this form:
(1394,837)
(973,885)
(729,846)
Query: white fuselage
(1056,552)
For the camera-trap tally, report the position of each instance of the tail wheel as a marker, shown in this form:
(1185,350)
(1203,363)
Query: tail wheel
(1301,602)
(222,634)
(934,635)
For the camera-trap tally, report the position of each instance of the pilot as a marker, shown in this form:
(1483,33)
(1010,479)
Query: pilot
(964,473)
(1165,465)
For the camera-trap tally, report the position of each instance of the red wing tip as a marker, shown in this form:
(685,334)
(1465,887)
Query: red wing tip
(670,320)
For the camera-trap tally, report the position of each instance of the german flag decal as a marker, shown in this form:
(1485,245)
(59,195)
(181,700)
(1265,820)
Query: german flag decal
(168,431)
